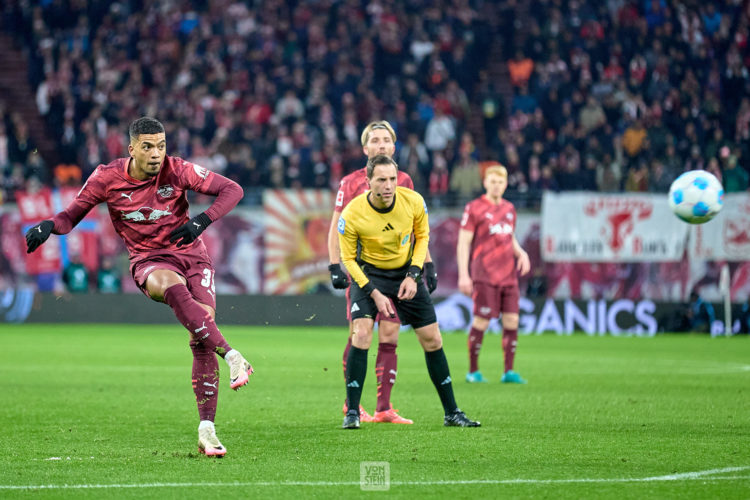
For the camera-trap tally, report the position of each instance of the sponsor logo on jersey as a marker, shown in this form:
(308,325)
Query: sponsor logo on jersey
(139,216)
(388,227)
(501,228)
(165,191)
(341,225)
(484,310)
(201,171)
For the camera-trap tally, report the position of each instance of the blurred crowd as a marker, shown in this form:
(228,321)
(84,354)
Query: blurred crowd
(601,95)
(626,95)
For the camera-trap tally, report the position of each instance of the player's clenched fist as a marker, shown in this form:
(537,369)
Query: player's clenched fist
(338,278)
(430,276)
(38,235)
(189,232)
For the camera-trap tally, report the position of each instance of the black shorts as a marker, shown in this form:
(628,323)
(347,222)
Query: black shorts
(417,312)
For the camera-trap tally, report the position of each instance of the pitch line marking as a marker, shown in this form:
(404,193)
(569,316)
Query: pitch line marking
(705,475)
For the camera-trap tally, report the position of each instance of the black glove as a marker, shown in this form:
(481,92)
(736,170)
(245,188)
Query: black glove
(189,232)
(430,276)
(38,235)
(338,278)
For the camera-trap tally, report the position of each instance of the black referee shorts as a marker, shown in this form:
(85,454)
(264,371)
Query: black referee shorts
(417,312)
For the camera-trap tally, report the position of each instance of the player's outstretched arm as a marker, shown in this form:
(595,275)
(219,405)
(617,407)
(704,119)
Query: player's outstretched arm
(465,283)
(38,235)
(64,222)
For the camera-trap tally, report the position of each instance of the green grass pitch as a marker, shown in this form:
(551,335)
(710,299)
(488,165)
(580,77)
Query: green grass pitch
(92,411)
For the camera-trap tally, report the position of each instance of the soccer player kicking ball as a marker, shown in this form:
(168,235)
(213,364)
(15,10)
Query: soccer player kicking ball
(486,238)
(146,195)
(389,267)
(378,138)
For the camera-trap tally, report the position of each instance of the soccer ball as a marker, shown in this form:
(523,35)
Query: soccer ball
(696,196)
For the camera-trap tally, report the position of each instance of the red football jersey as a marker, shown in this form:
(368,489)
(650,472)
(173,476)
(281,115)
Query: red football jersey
(491,259)
(143,213)
(356,183)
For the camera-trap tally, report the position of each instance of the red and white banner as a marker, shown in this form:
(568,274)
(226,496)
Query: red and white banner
(592,227)
(727,237)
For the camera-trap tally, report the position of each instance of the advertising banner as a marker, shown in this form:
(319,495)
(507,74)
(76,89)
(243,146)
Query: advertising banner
(593,227)
(727,237)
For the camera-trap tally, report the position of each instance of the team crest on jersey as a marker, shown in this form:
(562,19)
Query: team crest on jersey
(165,191)
(341,225)
(201,171)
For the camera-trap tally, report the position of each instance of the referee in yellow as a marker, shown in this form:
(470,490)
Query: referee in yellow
(382,223)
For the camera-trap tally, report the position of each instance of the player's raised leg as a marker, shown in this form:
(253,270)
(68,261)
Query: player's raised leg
(165,285)
(437,366)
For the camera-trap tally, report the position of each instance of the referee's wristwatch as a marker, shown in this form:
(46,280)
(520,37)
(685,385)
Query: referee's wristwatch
(414,273)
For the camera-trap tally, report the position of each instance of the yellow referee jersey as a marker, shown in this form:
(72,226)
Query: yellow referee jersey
(384,235)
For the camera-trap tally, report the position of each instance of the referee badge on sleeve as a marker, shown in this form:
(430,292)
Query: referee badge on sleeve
(341,225)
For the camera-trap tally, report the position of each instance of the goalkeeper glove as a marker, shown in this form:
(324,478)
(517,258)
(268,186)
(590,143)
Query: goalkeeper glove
(430,276)
(38,235)
(338,278)
(189,232)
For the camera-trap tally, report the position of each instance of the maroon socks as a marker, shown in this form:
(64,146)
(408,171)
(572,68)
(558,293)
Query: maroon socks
(385,370)
(475,345)
(205,379)
(193,317)
(510,339)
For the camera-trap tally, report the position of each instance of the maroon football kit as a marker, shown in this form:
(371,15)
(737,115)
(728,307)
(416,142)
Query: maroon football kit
(492,264)
(145,212)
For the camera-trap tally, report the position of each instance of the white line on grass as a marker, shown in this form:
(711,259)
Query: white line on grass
(706,475)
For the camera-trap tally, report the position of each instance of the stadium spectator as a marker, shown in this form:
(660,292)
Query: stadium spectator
(107,278)
(387,279)
(520,68)
(149,186)
(735,179)
(489,258)
(700,313)
(680,68)
(75,275)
